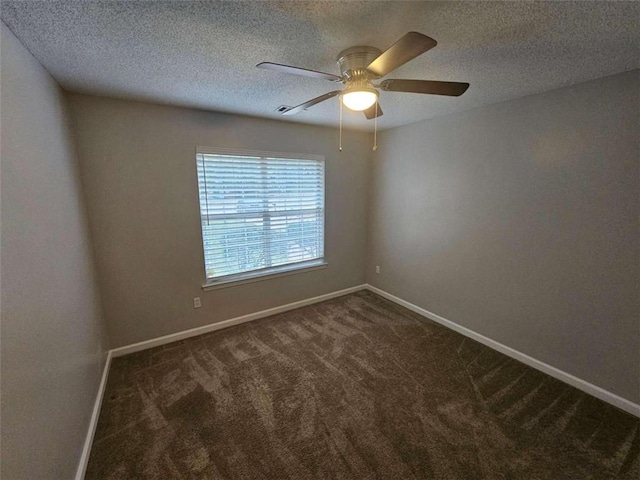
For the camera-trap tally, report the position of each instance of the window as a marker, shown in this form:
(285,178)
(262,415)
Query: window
(261,213)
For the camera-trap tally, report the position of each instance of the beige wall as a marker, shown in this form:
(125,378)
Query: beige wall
(520,221)
(139,174)
(53,338)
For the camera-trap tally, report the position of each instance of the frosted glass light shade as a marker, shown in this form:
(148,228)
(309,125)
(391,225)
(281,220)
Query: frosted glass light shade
(359,100)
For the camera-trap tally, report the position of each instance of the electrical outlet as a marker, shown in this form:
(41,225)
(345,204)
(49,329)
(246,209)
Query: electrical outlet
(377,268)
(196,302)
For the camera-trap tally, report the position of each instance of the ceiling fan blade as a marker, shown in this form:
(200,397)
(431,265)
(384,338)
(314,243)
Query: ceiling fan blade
(311,103)
(298,71)
(405,49)
(370,112)
(452,89)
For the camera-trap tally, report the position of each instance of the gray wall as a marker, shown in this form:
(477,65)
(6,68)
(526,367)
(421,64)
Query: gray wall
(520,221)
(139,174)
(52,334)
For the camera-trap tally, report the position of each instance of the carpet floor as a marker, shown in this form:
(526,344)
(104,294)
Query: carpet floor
(352,388)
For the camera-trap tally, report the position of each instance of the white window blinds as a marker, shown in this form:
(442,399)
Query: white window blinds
(259,212)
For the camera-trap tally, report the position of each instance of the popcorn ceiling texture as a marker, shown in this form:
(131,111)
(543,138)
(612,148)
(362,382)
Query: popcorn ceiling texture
(203,54)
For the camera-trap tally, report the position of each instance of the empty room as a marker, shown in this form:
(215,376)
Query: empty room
(315,240)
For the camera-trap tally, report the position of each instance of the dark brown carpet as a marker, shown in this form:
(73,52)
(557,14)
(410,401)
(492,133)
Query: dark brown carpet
(352,388)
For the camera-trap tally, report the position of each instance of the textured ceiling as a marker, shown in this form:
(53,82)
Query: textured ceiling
(203,54)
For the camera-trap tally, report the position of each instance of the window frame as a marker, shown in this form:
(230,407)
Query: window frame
(268,272)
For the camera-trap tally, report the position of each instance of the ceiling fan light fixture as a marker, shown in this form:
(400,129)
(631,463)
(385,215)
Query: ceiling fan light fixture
(362,65)
(359,99)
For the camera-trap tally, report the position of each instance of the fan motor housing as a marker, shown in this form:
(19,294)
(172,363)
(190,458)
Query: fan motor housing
(354,61)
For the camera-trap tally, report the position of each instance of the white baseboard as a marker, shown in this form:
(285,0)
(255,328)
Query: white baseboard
(598,392)
(583,385)
(154,342)
(86,450)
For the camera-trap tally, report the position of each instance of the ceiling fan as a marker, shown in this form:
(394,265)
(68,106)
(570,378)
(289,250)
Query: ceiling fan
(361,66)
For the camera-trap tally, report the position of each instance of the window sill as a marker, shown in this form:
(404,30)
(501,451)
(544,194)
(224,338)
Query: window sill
(250,277)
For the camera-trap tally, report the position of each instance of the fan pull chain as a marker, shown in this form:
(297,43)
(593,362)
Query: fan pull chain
(340,145)
(375,130)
